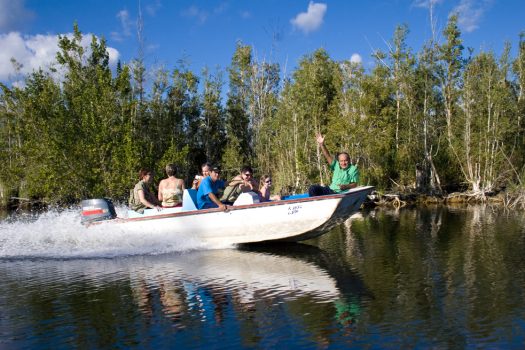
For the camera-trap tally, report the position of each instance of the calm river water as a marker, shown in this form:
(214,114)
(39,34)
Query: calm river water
(441,278)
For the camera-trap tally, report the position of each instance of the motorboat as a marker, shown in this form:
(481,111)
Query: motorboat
(292,219)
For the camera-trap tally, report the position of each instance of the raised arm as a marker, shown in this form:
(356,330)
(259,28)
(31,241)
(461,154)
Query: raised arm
(236,180)
(251,185)
(326,154)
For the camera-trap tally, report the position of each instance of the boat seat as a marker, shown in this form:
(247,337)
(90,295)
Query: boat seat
(247,198)
(296,196)
(189,199)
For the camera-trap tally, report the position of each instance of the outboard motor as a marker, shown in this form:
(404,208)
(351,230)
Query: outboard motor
(99,209)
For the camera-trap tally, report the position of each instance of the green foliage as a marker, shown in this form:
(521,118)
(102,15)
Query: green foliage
(237,111)
(212,117)
(457,121)
(306,106)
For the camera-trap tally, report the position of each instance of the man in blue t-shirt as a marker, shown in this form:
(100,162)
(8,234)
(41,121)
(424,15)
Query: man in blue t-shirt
(207,193)
(345,175)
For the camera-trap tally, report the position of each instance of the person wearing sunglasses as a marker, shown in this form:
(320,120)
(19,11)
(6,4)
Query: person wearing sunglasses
(265,189)
(244,182)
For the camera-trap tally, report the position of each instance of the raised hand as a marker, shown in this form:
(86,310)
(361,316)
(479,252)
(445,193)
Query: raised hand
(320,139)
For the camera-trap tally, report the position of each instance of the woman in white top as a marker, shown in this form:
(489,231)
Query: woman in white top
(171,189)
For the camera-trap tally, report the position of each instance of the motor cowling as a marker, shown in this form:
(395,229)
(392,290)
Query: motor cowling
(99,209)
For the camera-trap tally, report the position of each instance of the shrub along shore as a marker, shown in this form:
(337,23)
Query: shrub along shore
(397,199)
(420,121)
(511,200)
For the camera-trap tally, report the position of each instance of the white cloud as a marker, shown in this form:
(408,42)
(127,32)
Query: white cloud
(426,3)
(245,14)
(125,26)
(221,8)
(19,84)
(356,58)
(470,13)
(202,15)
(113,55)
(310,20)
(153,8)
(13,15)
(123,16)
(195,12)
(35,51)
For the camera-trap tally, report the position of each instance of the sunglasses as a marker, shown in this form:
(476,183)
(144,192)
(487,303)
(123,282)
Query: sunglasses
(248,174)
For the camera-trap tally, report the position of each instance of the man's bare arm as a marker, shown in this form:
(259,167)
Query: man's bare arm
(326,154)
(348,186)
(215,200)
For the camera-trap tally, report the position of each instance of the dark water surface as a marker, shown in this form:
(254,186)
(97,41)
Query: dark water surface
(438,278)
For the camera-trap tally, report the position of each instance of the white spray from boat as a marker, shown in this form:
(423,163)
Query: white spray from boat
(59,234)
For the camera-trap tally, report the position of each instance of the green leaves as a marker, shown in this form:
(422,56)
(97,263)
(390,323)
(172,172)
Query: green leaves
(455,120)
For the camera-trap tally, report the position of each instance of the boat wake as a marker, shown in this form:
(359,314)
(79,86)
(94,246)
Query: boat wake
(59,234)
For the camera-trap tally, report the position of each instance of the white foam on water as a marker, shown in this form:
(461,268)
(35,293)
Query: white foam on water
(59,234)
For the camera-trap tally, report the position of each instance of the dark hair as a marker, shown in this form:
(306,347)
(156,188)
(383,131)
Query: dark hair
(143,172)
(215,168)
(204,165)
(246,168)
(171,169)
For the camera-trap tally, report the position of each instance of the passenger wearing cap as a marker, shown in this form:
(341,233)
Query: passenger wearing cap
(207,194)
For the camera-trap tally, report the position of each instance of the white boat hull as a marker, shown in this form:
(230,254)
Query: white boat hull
(287,220)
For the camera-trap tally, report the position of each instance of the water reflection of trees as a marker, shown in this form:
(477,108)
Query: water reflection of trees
(435,277)
(444,273)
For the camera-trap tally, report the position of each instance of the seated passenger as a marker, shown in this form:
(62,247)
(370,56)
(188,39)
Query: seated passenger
(264,189)
(170,189)
(205,171)
(208,191)
(244,182)
(141,197)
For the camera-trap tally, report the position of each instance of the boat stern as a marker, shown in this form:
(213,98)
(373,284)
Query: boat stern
(99,209)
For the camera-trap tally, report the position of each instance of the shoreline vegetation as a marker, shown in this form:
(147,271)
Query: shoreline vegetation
(396,200)
(444,124)
(510,200)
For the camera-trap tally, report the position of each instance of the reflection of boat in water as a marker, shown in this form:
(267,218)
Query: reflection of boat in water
(207,294)
(259,271)
(348,283)
(293,219)
(233,269)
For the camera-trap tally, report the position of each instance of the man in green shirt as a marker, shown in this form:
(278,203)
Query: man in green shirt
(345,175)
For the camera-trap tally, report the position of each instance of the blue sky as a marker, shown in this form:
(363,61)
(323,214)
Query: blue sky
(205,32)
